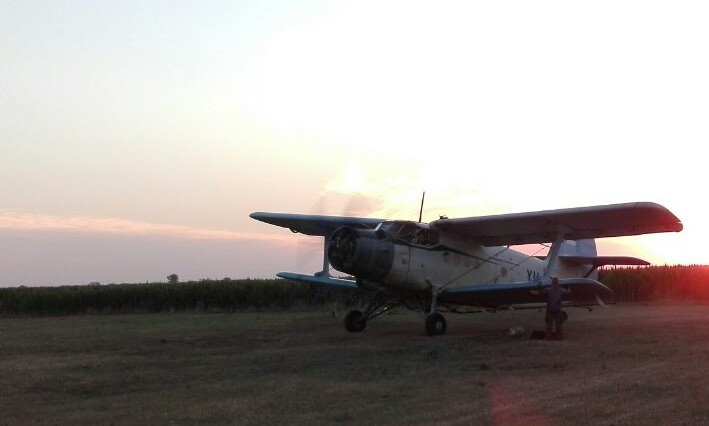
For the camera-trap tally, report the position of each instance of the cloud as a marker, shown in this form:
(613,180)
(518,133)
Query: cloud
(11,221)
(55,250)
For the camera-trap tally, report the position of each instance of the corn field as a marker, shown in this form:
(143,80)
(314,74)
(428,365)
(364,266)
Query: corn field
(652,283)
(220,295)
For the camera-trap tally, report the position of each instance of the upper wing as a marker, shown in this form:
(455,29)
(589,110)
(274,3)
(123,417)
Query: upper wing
(313,224)
(584,291)
(612,220)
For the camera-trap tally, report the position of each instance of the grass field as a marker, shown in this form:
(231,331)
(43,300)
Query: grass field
(626,364)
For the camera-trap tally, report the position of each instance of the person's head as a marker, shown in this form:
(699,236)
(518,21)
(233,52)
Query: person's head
(554,280)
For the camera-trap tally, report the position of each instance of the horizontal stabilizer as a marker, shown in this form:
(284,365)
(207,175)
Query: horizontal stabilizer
(598,261)
(320,280)
(583,291)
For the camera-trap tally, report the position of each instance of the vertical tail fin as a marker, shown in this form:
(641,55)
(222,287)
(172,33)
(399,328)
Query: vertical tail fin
(576,259)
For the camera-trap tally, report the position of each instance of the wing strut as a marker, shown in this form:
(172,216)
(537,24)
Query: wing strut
(553,255)
(434,296)
(325,262)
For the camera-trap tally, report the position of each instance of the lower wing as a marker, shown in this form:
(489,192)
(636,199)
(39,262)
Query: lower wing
(320,280)
(584,291)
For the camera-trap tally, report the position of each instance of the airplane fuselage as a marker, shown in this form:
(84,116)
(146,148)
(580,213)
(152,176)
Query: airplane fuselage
(410,256)
(418,268)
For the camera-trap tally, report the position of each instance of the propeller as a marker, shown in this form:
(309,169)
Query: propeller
(342,248)
(309,250)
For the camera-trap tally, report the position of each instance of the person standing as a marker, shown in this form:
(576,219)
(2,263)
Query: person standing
(554,316)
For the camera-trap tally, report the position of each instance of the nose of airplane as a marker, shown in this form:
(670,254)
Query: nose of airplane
(342,247)
(360,253)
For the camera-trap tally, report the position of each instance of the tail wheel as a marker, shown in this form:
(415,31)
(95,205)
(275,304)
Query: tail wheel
(354,322)
(435,324)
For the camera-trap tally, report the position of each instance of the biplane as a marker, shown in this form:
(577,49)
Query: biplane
(449,264)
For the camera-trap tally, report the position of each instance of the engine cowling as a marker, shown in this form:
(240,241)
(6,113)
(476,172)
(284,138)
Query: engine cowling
(362,253)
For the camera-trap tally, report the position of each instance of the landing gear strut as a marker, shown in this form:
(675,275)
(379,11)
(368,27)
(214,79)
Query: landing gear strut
(356,321)
(435,322)
(382,302)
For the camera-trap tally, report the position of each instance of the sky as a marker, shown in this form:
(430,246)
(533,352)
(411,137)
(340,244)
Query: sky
(137,136)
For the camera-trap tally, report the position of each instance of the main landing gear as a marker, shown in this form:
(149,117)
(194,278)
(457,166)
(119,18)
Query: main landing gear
(356,321)
(435,322)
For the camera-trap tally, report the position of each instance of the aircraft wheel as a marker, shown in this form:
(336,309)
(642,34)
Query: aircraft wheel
(353,321)
(435,324)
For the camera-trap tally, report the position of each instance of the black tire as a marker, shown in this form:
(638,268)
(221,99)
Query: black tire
(435,324)
(353,321)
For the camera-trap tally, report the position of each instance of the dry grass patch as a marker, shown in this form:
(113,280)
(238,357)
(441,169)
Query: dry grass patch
(631,364)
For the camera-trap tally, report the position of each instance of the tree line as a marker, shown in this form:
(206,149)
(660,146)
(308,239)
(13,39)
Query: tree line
(643,284)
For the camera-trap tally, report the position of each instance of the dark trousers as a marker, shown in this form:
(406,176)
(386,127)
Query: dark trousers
(554,319)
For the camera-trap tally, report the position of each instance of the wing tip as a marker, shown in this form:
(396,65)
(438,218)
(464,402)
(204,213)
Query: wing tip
(671,221)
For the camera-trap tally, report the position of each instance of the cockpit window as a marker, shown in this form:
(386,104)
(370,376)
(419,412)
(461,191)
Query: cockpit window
(425,237)
(413,233)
